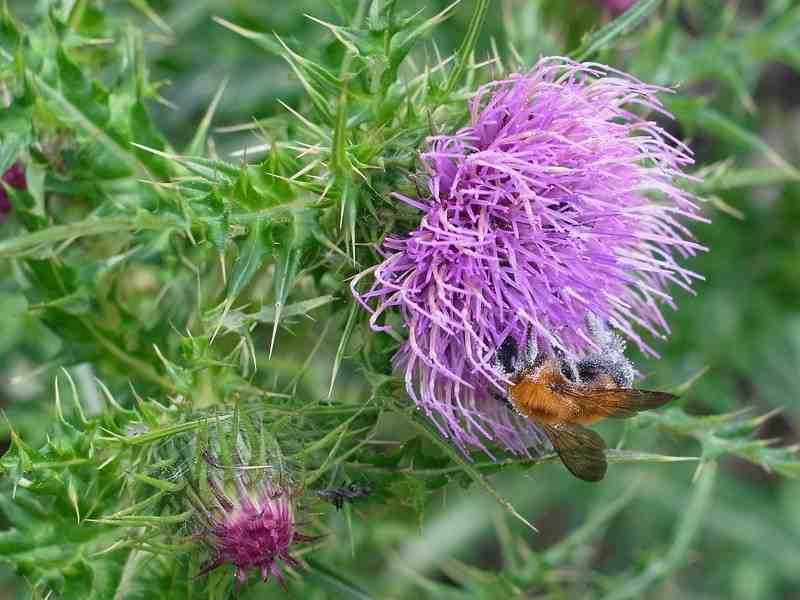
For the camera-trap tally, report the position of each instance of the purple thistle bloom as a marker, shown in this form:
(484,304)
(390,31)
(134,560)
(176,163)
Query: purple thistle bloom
(254,530)
(554,206)
(15,178)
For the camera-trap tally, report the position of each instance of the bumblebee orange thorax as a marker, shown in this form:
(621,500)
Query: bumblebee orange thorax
(537,398)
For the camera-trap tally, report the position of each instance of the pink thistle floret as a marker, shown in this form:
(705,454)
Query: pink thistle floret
(554,206)
(255,530)
(14,177)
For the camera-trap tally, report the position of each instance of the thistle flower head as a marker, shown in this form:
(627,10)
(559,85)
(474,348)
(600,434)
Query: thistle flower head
(15,178)
(555,205)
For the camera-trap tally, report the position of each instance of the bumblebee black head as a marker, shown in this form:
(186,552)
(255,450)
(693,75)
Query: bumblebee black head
(507,353)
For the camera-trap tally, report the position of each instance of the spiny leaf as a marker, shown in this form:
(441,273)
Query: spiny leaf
(235,320)
(248,262)
(403,41)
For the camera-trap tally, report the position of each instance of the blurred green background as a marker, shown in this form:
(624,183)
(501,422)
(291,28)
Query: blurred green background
(739,62)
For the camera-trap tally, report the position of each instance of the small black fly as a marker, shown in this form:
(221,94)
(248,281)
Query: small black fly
(349,492)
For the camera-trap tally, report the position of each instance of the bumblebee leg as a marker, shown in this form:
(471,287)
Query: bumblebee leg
(531,351)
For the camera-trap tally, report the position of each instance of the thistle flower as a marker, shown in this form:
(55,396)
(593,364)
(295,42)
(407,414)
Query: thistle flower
(553,206)
(15,178)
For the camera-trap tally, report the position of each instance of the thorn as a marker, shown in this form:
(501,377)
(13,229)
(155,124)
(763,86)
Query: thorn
(228,304)
(278,308)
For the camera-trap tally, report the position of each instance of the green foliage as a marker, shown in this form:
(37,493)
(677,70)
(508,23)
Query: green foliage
(173,277)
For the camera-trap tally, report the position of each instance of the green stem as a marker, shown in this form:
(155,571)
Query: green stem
(60,233)
(612,456)
(488,464)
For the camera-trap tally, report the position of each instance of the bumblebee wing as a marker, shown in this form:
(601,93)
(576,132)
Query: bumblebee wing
(619,403)
(580,449)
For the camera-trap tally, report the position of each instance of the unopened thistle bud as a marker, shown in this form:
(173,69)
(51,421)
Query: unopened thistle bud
(14,177)
(247,515)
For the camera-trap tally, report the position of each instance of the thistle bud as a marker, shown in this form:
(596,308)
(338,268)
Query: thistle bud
(246,513)
(14,177)
(618,6)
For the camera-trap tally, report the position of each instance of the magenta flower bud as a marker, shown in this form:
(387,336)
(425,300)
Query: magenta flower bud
(15,178)
(618,6)
(556,205)
(252,525)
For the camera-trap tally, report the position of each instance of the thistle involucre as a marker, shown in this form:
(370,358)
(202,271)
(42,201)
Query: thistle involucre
(555,205)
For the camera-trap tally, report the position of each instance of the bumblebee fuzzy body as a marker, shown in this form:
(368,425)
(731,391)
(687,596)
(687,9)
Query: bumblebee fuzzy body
(548,396)
(563,397)
(537,399)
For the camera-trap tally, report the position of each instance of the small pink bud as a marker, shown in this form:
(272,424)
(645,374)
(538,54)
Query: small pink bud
(250,522)
(15,178)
